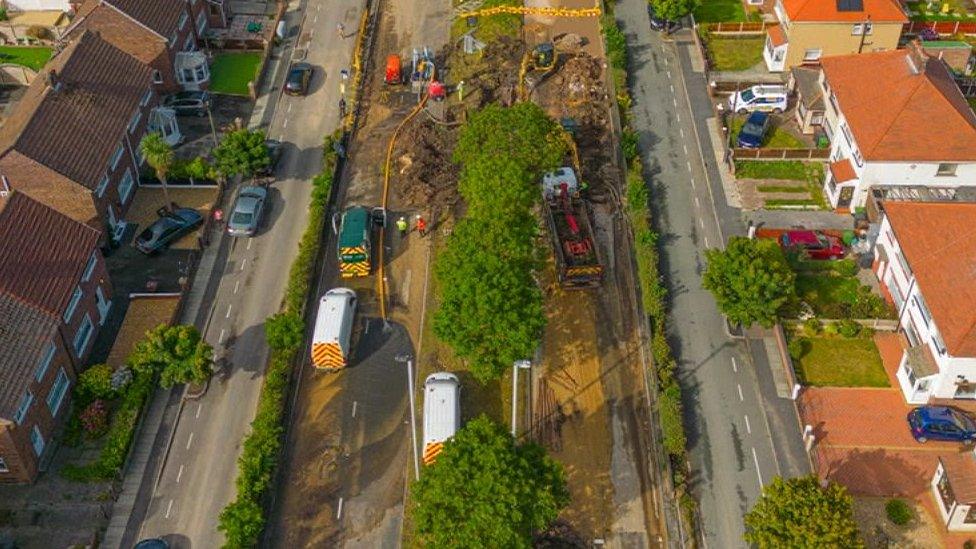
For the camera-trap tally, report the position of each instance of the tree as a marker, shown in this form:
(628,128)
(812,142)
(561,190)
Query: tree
(485,490)
(159,155)
(799,512)
(178,353)
(242,152)
(673,10)
(284,331)
(750,279)
(242,522)
(95,383)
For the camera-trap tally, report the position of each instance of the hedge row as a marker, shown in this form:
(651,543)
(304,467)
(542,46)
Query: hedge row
(653,291)
(243,520)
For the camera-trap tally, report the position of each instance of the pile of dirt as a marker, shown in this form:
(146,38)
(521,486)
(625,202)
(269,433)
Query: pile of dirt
(492,75)
(424,175)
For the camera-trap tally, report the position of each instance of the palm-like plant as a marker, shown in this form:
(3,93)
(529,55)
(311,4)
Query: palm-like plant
(159,155)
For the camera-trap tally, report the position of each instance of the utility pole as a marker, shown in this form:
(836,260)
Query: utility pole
(213,128)
(864,33)
(516,366)
(413,412)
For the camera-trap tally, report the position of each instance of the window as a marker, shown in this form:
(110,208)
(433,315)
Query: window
(847,135)
(134,121)
(37,440)
(157,77)
(912,334)
(939,344)
(90,267)
(125,187)
(189,44)
(102,185)
(946,169)
(183,19)
(920,303)
(83,335)
(970,515)
(201,23)
(173,37)
(858,158)
(45,363)
(56,395)
(73,304)
(117,156)
(903,264)
(3,466)
(860,28)
(25,403)
(812,55)
(146,97)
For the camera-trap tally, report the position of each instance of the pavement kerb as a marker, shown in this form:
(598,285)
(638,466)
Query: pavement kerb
(169,441)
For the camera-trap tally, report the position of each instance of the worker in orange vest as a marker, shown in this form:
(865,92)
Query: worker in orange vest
(421,226)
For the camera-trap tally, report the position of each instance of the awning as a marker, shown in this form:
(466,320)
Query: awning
(921,361)
(842,170)
(777,36)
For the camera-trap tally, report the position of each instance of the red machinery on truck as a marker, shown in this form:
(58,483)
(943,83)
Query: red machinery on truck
(578,262)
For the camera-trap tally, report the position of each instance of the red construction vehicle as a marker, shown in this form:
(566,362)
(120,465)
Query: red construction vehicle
(437,91)
(394,70)
(578,262)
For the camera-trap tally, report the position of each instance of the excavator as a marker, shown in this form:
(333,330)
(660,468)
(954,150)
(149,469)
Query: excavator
(536,66)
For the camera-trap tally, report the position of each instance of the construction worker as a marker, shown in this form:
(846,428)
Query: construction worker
(341,29)
(402,226)
(421,226)
(342,107)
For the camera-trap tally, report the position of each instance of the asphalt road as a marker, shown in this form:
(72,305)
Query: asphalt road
(730,402)
(197,478)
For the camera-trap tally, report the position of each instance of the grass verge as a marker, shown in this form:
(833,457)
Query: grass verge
(230,72)
(773,169)
(733,54)
(780,189)
(840,362)
(714,11)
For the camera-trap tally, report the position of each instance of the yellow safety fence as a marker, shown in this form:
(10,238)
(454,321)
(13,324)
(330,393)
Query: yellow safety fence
(523,10)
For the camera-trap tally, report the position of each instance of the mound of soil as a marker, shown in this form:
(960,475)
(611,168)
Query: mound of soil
(424,175)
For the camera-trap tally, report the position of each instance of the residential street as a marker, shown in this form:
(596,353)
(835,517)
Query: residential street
(197,479)
(730,402)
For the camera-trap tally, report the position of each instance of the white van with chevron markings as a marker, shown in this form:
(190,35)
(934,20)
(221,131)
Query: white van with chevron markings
(442,412)
(333,329)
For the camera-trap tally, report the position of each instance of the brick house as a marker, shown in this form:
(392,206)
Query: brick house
(54,296)
(924,259)
(72,143)
(163,34)
(899,128)
(811,29)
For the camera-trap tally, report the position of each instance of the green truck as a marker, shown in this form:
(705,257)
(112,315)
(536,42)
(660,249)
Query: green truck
(354,249)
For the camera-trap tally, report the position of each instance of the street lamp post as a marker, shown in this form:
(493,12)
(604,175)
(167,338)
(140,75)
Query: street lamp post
(413,412)
(516,366)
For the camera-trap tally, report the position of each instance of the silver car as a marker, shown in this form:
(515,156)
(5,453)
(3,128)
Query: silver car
(245,216)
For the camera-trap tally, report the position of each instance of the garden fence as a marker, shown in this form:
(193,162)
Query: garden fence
(941,27)
(780,154)
(734,27)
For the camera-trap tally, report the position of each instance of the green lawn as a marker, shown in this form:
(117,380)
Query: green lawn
(840,362)
(959,10)
(713,11)
(823,290)
(776,138)
(230,72)
(773,169)
(780,189)
(32,57)
(734,54)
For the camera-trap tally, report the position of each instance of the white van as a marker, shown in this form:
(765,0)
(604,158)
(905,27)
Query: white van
(442,412)
(333,329)
(759,98)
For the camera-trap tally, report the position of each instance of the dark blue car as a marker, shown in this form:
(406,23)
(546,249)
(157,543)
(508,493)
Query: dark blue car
(753,132)
(941,423)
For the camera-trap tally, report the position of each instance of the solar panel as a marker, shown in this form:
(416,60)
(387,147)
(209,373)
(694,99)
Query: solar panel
(850,5)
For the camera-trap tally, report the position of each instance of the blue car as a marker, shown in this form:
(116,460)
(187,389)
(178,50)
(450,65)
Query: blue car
(941,423)
(753,132)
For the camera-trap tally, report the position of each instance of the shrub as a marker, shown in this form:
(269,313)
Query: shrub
(848,328)
(38,32)
(899,512)
(284,331)
(811,327)
(628,142)
(616,42)
(94,419)
(846,267)
(796,348)
(830,329)
(95,383)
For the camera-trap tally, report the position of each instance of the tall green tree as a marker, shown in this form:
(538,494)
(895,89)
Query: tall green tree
(485,490)
(178,353)
(673,10)
(750,279)
(799,512)
(159,155)
(242,152)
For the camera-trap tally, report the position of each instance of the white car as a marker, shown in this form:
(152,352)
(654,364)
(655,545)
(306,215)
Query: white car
(759,98)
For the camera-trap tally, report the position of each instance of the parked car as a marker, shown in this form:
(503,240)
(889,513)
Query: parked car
(941,423)
(299,76)
(769,98)
(245,216)
(814,244)
(274,154)
(189,103)
(753,132)
(660,24)
(152,543)
(166,229)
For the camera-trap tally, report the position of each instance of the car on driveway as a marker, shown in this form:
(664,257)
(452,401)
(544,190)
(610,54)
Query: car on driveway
(941,423)
(753,132)
(299,76)
(814,244)
(245,216)
(188,103)
(167,229)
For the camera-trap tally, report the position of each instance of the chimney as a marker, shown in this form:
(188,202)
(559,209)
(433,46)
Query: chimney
(53,80)
(916,57)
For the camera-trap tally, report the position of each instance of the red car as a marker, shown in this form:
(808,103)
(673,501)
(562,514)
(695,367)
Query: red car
(815,244)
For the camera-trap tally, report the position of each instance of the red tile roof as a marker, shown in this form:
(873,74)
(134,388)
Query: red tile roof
(961,470)
(75,129)
(889,97)
(26,333)
(842,170)
(938,239)
(776,35)
(159,16)
(882,11)
(42,253)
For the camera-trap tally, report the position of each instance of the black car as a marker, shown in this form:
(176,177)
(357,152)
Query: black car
(191,103)
(166,229)
(299,76)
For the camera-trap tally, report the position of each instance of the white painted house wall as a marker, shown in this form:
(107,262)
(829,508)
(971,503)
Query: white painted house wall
(38,5)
